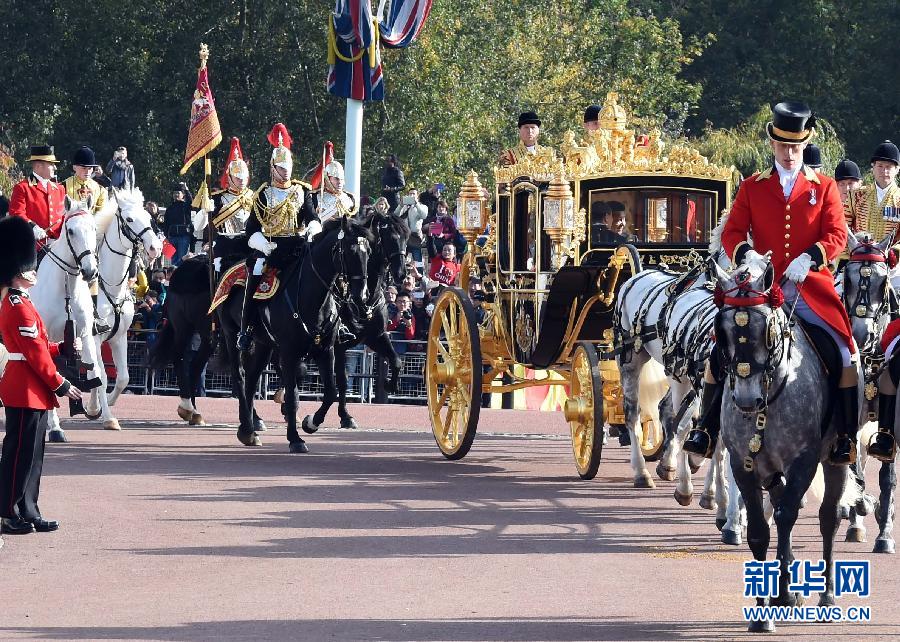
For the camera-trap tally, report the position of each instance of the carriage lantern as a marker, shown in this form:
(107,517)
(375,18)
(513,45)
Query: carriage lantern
(471,210)
(560,220)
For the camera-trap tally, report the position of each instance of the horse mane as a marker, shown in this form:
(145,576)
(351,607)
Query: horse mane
(715,236)
(126,199)
(105,217)
(356,228)
(396,223)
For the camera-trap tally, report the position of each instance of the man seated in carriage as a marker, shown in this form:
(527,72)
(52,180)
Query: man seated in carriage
(231,210)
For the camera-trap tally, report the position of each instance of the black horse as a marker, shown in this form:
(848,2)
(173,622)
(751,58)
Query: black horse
(387,260)
(302,318)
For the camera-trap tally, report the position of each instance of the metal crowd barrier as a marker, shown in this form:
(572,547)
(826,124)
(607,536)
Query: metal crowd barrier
(366,371)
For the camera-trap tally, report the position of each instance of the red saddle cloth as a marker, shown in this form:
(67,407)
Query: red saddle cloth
(890,333)
(236,275)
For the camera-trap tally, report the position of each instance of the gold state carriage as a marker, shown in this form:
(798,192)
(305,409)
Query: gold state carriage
(550,277)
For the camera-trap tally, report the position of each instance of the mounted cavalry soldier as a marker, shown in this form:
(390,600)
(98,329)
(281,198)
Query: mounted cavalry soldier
(876,208)
(794,215)
(333,201)
(28,386)
(231,208)
(81,182)
(282,219)
(39,199)
(529,131)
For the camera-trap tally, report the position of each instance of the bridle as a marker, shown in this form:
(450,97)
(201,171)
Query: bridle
(72,269)
(868,255)
(339,286)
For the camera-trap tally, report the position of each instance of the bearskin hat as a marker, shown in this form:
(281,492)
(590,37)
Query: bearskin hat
(17,249)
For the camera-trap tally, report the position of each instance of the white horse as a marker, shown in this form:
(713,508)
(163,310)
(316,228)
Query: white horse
(123,226)
(62,292)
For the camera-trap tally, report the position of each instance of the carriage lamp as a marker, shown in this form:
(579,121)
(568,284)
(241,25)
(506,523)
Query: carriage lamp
(560,219)
(471,208)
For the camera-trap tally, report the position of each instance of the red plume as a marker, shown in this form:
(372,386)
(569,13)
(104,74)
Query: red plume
(319,171)
(279,128)
(234,154)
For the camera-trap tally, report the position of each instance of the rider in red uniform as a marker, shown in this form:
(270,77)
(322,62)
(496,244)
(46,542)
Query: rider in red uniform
(29,385)
(796,215)
(38,198)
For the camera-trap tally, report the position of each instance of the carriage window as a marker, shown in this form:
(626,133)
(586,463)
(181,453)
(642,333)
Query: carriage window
(651,216)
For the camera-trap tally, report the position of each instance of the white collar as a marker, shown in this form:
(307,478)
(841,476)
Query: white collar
(879,192)
(531,148)
(42,181)
(784,174)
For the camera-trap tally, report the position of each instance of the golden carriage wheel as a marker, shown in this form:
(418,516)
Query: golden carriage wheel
(584,410)
(453,372)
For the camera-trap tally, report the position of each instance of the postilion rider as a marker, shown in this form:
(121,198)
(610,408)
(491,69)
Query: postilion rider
(796,216)
(29,385)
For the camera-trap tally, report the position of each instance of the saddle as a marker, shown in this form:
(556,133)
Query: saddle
(236,275)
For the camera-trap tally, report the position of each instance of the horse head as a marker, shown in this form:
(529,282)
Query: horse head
(867,288)
(751,334)
(135,221)
(80,233)
(350,245)
(391,234)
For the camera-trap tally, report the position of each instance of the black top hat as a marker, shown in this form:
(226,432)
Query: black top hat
(792,123)
(592,114)
(84,156)
(616,206)
(599,209)
(887,151)
(529,118)
(847,169)
(812,156)
(42,153)
(17,249)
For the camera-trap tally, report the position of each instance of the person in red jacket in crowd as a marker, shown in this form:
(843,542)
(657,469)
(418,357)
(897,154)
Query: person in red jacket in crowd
(39,199)
(402,325)
(28,386)
(444,267)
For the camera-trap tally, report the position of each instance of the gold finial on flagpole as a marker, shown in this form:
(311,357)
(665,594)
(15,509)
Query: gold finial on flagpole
(204,54)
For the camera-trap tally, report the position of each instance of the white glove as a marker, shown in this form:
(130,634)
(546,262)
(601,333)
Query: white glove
(799,268)
(312,228)
(259,242)
(756,261)
(39,233)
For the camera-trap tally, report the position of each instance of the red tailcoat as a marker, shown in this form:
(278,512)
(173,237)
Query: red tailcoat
(43,207)
(31,383)
(811,221)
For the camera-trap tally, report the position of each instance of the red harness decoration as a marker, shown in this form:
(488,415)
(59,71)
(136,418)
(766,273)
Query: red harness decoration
(774,298)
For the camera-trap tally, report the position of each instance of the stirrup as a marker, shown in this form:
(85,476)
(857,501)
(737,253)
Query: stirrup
(244,339)
(877,449)
(100,326)
(695,435)
(840,458)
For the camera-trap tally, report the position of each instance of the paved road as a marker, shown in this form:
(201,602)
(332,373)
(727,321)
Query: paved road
(177,533)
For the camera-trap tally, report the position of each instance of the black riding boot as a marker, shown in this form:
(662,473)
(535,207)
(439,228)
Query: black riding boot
(843,451)
(248,313)
(883,446)
(702,439)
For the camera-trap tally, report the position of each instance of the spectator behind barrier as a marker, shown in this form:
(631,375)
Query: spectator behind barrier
(403,325)
(392,181)
(445,268)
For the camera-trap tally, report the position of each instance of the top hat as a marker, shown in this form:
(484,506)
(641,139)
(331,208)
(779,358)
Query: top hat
(847,169)
(84,156)
(887,151)
(599,209)
(616,206)
(592,114)
(792,123)
(812,156)
(18,252)
(529,118)
(42,153)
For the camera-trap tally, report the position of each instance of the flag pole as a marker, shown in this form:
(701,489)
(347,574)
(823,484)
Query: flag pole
(353,151)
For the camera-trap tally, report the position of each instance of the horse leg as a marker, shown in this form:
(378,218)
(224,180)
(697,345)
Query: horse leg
(829,521)
(684,489)
(720,484)
(786,500)
(382,346)
(91,354)
(325,362)
(248,379)
(630,375)
(884,514)
(119,347)
(733,528)
(55,433)
(667,467)
(195,372)
(757,534)
(340,372)
(856,528)
(289,360)
(258,362)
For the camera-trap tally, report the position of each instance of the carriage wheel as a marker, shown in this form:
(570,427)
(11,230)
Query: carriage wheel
(584,410)
(453,372)
(652,440)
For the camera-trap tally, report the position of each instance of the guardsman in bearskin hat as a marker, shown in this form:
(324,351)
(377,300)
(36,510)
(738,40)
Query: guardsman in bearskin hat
(795,214)
(529,131)
(38,198)
(283,217)
(876,208)
(81,182)
(231,208)
(848,179)
(29,385)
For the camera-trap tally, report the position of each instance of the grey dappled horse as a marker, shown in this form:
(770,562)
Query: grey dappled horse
(776,379)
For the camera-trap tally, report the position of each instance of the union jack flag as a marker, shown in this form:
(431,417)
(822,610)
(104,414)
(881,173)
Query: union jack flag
(354,58)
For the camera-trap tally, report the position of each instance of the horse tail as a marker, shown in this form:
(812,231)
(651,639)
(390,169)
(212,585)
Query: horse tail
(163,351)
(852,491)
(652,387)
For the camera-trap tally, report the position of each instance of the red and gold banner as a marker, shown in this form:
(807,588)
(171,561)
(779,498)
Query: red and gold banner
(204,133)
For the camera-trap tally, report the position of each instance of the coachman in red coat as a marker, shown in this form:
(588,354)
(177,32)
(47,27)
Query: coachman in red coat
(796,215)
(28,386)
(39,199)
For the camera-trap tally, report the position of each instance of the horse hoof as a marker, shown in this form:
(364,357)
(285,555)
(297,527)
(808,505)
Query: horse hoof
(644,481)
(845,512)
(93,416)
(694,462)
(708,502)
(613,430)
(761,626)
(826,599)
(112,424)
(298,447)
(683,499)
(308,426)
(865,505)
(730,537)
(197,420)
(790,600)
(855,534)
(249,439)
(57,437)
(665,473)
(259,426)
(185,413)
(349,422)
(720,522)
(884,546)
(803,502)
(278,397)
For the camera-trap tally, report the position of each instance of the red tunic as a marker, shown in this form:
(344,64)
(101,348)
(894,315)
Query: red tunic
(32,382)
(811,221)
(42,206)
